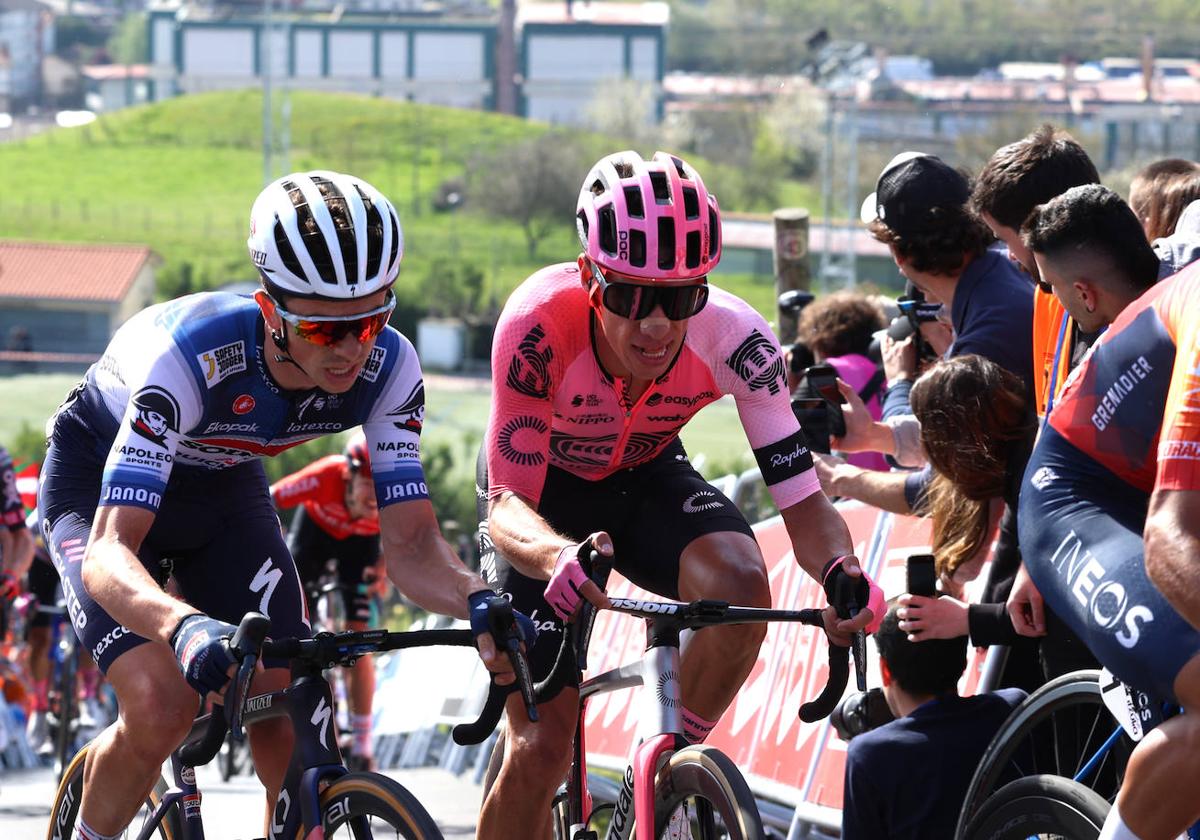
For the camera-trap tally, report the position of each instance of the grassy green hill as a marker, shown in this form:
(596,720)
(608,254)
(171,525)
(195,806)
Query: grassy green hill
(181,175)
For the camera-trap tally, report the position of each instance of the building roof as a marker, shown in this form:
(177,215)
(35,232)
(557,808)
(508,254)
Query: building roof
(23,6)
(108,72)
(595,11)
(59,271)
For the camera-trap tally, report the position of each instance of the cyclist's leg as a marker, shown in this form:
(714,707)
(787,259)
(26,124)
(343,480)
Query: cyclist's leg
(155,711)
(156,704)
(244,565)
(357,557)
(686,540)
(535,761)
(43,583)
(536,755)
(309,548)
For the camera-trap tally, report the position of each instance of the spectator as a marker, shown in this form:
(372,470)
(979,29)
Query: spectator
(1165,195)
(1091,251)
(978,429)
(1159,193)
(1017,178)
(908,778)
(919,209)
(838,328)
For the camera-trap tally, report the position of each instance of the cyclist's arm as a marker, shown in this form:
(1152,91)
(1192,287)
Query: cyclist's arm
(116,579)
(421,563)
(524,538)
(818,533)
(1173,549)
(18,551)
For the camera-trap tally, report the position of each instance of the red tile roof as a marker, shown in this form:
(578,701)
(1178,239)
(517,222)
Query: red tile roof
(59,271)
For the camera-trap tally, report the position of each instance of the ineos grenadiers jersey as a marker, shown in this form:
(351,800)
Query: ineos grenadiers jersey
(554,404)
(184,384)
(1133,405)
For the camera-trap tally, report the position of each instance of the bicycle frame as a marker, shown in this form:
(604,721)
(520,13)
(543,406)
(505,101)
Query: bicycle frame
(660,728)
(315,759)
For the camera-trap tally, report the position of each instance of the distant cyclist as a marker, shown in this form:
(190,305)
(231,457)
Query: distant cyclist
(157,453)
(1110,532)
(596,366)
(338,520)
(16,543)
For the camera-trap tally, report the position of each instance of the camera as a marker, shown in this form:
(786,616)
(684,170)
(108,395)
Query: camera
(860,712)
(914,311)
(817,404)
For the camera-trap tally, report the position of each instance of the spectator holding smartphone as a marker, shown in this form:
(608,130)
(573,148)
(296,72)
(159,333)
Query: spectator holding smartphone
(936,730)
(838,328)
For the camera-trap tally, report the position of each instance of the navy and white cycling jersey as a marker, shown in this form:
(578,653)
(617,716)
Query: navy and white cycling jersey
(184,384)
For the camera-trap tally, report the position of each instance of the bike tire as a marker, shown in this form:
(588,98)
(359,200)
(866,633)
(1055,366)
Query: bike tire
(357,801)
(68,707)
(1052,732)
(707,778)
(1040,806)
(70,794)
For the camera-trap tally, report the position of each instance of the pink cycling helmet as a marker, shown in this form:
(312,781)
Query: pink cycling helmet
(650,219)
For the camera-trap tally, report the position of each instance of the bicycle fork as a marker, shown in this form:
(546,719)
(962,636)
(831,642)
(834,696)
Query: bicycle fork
(660,733)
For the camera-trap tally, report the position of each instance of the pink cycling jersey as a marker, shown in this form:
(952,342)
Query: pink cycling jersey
(553,403)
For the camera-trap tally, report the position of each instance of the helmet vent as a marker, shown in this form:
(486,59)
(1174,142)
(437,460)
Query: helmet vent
(637,247)
(608,230)
(666,244)
(662,192)
(310,233)
(395,240)
(633,201)
(693,249)
(290,262)
(583,224)
(691,204)
(374,236)
(624,168)
(597,187)
(714,232)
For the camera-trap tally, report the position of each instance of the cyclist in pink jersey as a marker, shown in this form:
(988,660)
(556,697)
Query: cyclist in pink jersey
(597,364)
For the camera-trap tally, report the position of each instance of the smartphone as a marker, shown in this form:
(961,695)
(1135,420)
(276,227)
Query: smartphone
(822,379)
(921,574)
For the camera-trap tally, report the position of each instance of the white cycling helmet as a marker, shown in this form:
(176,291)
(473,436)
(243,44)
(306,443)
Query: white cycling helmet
(324,235)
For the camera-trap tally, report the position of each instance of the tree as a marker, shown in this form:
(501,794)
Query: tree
(129,44)
(533,182)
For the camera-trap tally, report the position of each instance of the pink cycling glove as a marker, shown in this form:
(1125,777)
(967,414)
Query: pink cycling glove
(862,588)
(562,592)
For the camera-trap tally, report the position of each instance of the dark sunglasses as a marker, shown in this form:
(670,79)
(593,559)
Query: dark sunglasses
(635,301)
(326,330)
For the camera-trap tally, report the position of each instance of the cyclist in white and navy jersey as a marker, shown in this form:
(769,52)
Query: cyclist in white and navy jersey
(156,454)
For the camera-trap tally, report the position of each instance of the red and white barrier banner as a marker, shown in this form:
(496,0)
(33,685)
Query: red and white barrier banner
(782,757)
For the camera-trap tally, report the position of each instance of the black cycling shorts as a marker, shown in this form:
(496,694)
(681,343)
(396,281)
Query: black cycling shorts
(652,512)
(1081,537)
(42,581)
(356,556)
(218,526)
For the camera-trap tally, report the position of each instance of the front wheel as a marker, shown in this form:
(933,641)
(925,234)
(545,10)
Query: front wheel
(363,806)
(65,812)
(702,787)
(1040,807)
